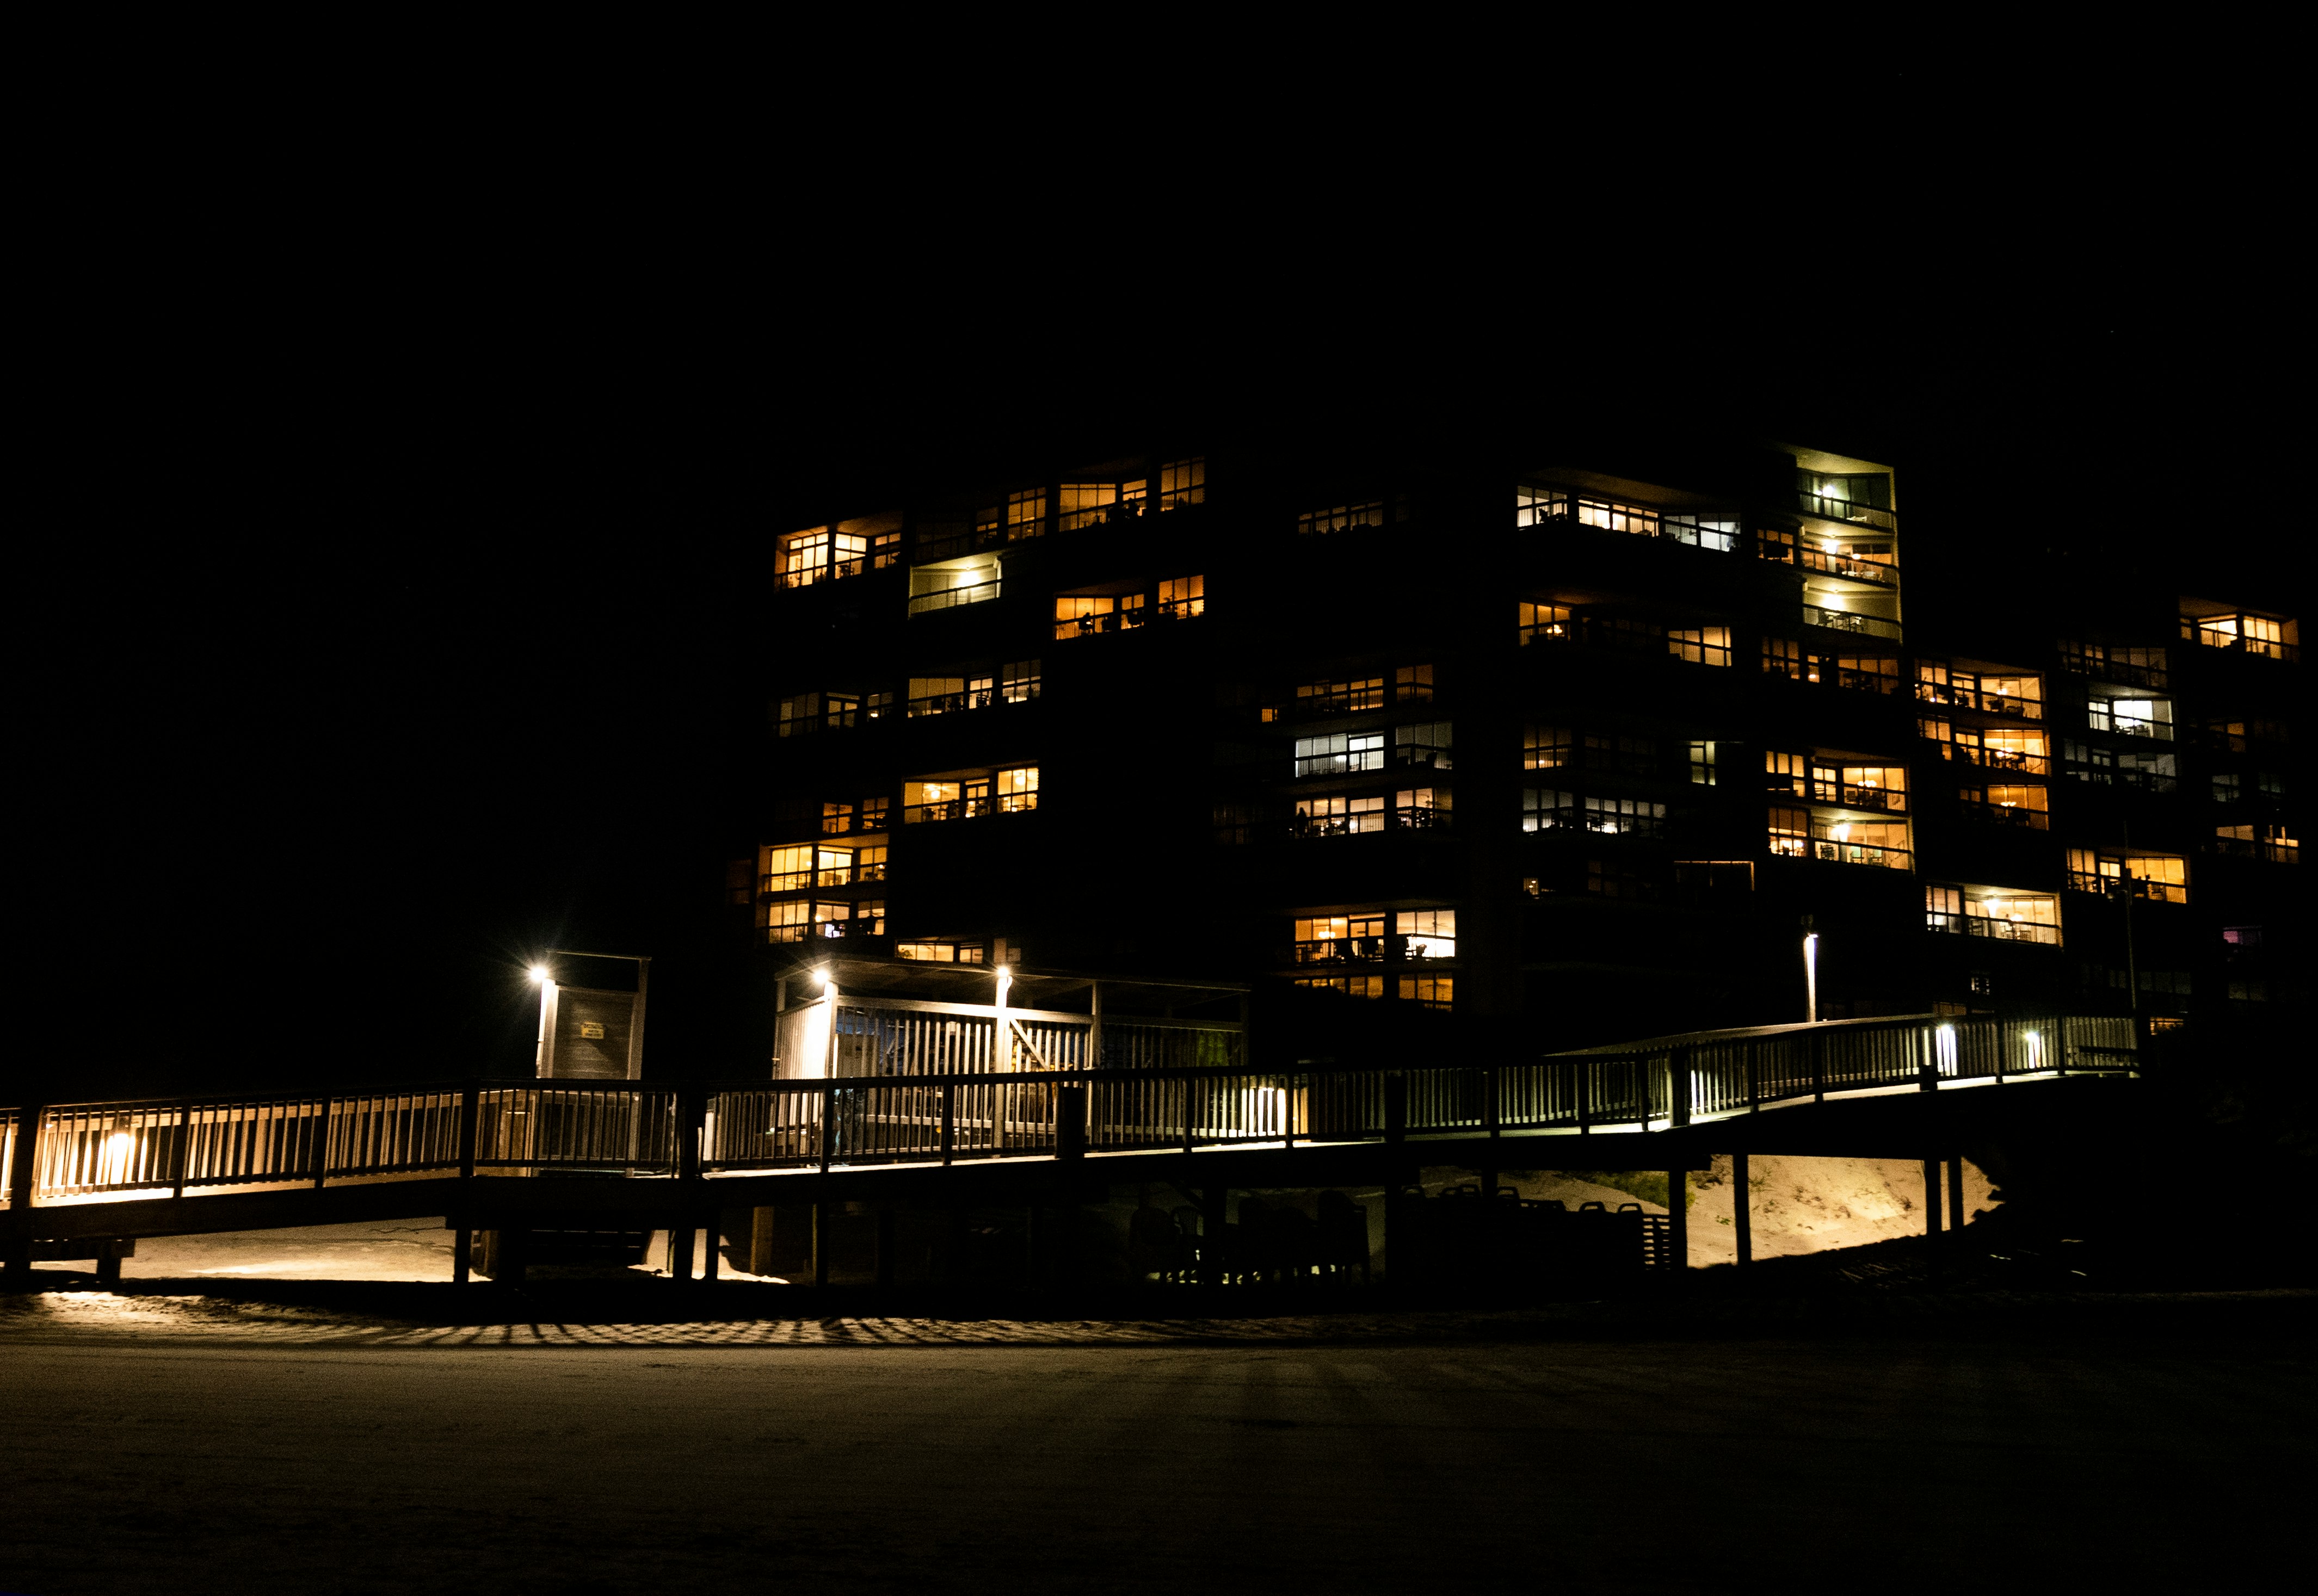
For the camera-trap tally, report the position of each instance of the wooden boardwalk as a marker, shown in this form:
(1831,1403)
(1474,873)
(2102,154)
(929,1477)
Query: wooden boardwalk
(479,1149)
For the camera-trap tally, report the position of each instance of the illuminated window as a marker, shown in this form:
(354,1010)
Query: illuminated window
(1426,933)
(1018,683)
(869,917)
(1533,507)
(1775,543)
(1340,753)
(836,819)
(1342,517)
(1026,513)
(1546,748)
(1546,810)
(1084,616)
(2020,806)
(873,814)
(2131,717)
(2142,768)
(1701,764)
(1182,482)
(869,863)
(2273,843)
(1338,816)
(1629,817)
(1181,597)
(788,922)
(2264,635)
(1017,789)
(1860,786)
(799,715)
(1422,745)
(947,585)
(788,869)
(832,867)
(1429,991)
(1789,832)
(1786,772)
(1860,673)
(923,802)
(2160,878)
(1541,621)
(831,919)
(1422,809)
(1085,504)
(1700,645)
(1720,533)
(804,557)
(1350,986)
(1783,657)
(1611,516)
(1336,939)
(1350,697)
(1412,684)
(943,953)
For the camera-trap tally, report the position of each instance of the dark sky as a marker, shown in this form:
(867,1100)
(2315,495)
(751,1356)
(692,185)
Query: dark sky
(368,656)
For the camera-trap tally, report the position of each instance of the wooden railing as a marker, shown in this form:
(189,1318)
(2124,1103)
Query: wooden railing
(92,1151)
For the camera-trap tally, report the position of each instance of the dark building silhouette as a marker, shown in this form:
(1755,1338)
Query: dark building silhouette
(1540,754)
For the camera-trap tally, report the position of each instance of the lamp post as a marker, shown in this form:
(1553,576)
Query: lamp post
(1811,972)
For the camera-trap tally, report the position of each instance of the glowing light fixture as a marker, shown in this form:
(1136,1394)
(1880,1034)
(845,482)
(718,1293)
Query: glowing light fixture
(539,972)
(822,977)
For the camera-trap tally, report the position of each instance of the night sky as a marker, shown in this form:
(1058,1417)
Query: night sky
(362,665)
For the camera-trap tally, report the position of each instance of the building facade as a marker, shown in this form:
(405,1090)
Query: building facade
(1460,754)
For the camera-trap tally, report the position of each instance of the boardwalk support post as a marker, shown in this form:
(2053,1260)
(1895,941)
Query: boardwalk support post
(1742,1209)
(1678,1086)
(20,1187)
(1956,1193)
(463,1237)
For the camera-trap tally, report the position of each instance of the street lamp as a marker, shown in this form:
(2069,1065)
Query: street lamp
(1811,972)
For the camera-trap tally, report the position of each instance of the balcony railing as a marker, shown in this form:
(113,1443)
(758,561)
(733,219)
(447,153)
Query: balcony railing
(2013,816)
(1854,568)
(2094,660)
(2231,643)
(1340,950)
(1843,510)
(2282,852)
(1846,621)
(1851,795)
(942,704)
(951,597)
(2126,887)
(1999,758)
(1828,851)
(1994,704)
(1980,925)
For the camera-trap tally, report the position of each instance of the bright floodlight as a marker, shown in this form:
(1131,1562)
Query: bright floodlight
(539,972)
(821,976)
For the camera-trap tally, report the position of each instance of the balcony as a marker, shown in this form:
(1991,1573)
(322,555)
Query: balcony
(2267,843)
(1826,851)
(1999,930)
(1852,567)
(2010,817)
(1856,796)
(2262,637)
(2008,759)
(952,597)
(1828,506)
(2131,668)
(1849,621)
(1955,695)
